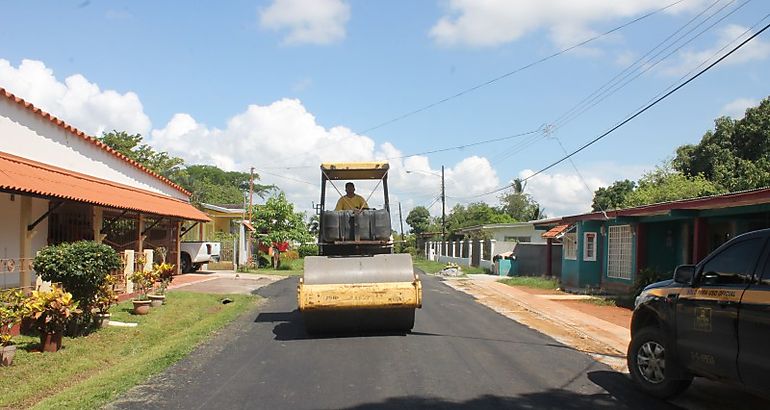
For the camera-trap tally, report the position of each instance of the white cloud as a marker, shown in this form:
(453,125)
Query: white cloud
(755,50)
(307,21)
(565,193)
(77,100)
(737,108)
(495,22)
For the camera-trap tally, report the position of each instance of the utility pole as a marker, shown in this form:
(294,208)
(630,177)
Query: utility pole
(251,195)
(443,206)
(401,218)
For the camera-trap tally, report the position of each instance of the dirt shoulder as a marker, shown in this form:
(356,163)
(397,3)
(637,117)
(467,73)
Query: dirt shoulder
(600,331)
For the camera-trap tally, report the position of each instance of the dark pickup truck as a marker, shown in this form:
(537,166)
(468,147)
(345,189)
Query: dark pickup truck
(711,320)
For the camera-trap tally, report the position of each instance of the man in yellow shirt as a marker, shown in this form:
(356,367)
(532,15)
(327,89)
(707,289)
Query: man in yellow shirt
(350,201)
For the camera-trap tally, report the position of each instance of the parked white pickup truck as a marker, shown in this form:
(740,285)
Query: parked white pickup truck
(196,253)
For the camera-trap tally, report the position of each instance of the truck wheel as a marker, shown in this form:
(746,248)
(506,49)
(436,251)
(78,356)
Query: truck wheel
(186,263)
(651,368)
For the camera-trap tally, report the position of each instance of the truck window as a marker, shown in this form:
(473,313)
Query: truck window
(733,265)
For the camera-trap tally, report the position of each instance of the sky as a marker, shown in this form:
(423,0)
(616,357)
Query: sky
(481,88)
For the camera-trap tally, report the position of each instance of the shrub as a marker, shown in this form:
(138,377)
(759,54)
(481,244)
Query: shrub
(290,255)
(143,281)
(307,249)
(646,277)
(51,310)
(81,267)
(11,312)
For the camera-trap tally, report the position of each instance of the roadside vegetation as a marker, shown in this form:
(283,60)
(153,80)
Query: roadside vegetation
(90,371)
(537,282)
(287,268)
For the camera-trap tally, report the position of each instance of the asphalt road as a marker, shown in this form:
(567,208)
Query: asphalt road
(459,355)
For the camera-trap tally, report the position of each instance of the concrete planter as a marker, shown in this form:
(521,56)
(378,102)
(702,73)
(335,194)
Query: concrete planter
(157,300)
(7,353)
(141,307)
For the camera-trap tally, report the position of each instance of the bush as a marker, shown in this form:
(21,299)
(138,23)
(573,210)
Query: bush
(644,278)
(81,267)
(307,249)
(290,255)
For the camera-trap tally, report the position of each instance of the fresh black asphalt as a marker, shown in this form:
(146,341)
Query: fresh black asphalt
(459,355)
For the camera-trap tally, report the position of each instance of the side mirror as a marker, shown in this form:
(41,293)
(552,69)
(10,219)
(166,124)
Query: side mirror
(684,274)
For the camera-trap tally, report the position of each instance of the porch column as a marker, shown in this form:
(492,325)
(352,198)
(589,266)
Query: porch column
(481,251)
(25,241)
(98,219)
(641,246)
(548,256)
(128,269)
(470,252)
(140,238)
(700,237)
(461,249)
(492,249)
(178,261)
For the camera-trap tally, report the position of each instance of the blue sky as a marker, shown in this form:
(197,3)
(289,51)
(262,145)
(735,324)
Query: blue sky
(282,85)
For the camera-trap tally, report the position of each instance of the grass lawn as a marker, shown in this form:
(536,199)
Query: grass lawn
(433,266)
(92,370)
(536,282)
(288,268)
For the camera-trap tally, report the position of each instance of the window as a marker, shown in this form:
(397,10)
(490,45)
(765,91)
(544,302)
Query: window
(619,247)
(734,265)
(589,246)
(570,246)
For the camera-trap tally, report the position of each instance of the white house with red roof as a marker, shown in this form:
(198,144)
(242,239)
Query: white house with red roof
(58,184)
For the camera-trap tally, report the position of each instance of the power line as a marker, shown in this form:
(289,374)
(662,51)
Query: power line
(650,105)
(605,90)
(640,111)
(522,68)
(647,66)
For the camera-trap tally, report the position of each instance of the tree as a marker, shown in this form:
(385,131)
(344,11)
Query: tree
(477,213)
(209,184)
(276,221)
(735,155)
(666,184)
(418,219)
(518,205)
(131,146)
(614,196)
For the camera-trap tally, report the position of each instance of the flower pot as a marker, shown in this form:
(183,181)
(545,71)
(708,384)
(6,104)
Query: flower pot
(7,354)
(102,319)
(157,300)
(141,307)
(50,342)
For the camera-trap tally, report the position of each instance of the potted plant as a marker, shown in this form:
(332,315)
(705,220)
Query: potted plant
(106,297)
(11,312)
(81,267)
(143,282)
(50,312)
(164,274)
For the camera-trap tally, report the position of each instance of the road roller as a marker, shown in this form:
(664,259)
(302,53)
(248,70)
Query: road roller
(357,283)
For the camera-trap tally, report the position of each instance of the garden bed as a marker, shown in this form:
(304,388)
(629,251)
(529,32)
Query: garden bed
(91,370)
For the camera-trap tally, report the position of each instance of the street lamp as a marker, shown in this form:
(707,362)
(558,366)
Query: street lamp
(443,198)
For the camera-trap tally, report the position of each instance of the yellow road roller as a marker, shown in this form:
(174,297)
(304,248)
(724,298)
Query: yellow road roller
(357,283)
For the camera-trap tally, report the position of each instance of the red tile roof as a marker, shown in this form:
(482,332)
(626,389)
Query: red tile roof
(20,175)
(555,232)
(76,132)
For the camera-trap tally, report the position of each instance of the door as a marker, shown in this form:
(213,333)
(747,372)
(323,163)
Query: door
(707,315)
(754,333)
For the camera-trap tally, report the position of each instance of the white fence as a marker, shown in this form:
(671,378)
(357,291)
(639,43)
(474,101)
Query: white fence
(466,252)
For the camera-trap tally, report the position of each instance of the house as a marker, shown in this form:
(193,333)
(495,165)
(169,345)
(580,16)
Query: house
(608,250)
(58,184)
(230,227)
(523,240)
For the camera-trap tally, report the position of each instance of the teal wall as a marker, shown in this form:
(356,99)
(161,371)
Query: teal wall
(666,246)
(580,273)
